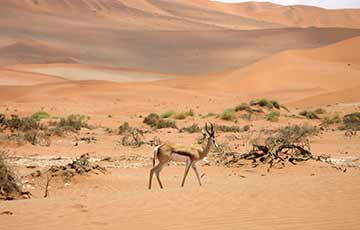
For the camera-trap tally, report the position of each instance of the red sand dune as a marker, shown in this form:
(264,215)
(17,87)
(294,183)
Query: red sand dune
(290,76)
(33,52)
(294,74)
(205,37)
(293,16)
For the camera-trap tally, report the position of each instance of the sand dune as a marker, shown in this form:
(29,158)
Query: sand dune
(293,16)
(185,37)
(138,14)
(290,76)
(21,78)
(190,14)
(302,72)
(33,52)
(178,52)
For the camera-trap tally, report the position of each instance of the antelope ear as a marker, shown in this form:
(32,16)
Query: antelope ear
(212,128)
(206,128)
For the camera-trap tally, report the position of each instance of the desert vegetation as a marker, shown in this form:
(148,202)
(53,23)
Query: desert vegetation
(10,184)
(286,144)
(37,132)
(156,122)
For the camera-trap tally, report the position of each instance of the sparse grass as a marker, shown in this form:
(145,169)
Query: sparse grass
(194,128)
(168,114)
(155,121)
(73,122)
(243,107)
(246,116)
(275,104)
(262,102)
(9,183)
(125,127)
(131,136)
(228,129)
(228,115)
(269,104)
(184,115)
(284,108)
(273,116)
(309,114)
(166,124)
(292,134)
(38,116)
(16,123)
(331,119)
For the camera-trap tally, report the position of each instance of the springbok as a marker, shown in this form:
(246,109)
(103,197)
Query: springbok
(167,152)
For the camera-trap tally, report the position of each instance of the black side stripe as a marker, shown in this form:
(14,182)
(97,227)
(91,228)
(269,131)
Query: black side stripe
(182,153)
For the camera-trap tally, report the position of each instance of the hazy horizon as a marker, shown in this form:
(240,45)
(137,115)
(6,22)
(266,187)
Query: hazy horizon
(329,4)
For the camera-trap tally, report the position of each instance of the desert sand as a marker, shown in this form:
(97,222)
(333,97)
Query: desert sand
(117,61)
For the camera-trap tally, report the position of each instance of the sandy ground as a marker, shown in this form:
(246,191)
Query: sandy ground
(291,198)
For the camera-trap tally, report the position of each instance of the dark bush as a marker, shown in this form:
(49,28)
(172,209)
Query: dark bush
(9,182)
(228,129)
(243,107)
(154,121)
(194,128)
(309,114)
(352,121)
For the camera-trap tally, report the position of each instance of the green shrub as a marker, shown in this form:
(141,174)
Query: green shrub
(38,116)
(273,116)
(168,114)
(228,115)
(352,121)
(262,102)
(243,107)
(184,115)
(309,114)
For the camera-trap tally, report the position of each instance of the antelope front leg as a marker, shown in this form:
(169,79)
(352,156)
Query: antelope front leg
(194,166)
(155,170)
(188,164)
